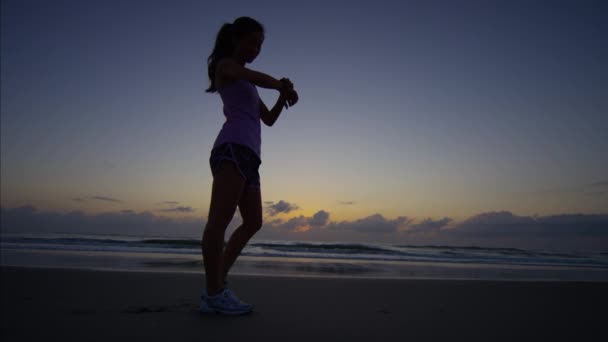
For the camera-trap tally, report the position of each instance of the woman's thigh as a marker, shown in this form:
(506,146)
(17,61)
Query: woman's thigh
(228,186)
(250,206)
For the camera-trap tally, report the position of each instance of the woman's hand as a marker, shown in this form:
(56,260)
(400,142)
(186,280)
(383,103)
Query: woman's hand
(288,95)
(289,98)
(286,84)
(292,98)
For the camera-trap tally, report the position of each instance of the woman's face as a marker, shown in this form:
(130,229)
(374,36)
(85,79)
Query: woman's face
(249,46)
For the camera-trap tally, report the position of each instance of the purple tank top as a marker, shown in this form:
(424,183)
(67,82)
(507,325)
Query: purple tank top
(242,111)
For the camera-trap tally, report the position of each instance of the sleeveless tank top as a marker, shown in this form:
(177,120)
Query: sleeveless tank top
(242,111)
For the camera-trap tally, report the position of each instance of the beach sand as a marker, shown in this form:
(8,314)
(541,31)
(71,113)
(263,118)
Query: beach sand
(88,305)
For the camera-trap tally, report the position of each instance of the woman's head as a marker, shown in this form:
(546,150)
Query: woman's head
(241,39)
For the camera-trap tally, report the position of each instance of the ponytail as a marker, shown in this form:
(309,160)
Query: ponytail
(224,43)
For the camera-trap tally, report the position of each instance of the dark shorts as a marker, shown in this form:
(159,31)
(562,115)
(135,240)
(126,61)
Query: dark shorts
(247,162)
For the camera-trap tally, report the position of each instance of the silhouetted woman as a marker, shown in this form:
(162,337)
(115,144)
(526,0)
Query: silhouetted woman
(236,155)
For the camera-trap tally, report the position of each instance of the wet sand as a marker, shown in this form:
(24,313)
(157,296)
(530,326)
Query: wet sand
(90,305)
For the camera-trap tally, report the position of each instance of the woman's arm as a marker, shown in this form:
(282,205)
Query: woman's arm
(286,99)
(234,70)
(269,117)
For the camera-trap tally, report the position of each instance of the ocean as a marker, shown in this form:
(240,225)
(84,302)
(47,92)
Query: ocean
(300,258)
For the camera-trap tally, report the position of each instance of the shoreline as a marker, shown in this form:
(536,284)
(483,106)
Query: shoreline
(299,267)
(98,305)
(305,276)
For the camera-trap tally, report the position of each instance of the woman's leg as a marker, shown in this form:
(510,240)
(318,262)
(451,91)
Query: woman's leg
(228,185)
(250,207)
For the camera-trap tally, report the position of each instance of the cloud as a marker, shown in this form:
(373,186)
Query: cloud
(507,224)
(280,207)
(319,218)
(169,202)
(427,225)
(598,193)
(497,228)
(347,203)
(491,229)
(27,219)
(296,224)
(374,224)
(107,199)
(299,223)
(97,198)
(602,183)
(496,217)
(23,210)
(178,210)
(599,188)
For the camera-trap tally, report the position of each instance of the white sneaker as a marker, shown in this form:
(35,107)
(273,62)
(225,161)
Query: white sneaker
(231,294)
(224,302)
(236,299)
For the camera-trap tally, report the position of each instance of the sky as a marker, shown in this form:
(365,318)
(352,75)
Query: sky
(418,121)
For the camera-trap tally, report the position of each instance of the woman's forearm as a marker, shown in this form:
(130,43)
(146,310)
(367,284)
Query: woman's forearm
(266,81)
(276,109)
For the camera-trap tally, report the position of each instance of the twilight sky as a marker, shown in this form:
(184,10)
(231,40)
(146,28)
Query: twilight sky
(414,116)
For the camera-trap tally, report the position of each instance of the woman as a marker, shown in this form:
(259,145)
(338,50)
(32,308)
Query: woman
(236,155)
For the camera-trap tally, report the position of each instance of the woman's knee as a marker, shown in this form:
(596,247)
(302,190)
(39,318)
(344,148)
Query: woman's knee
(253,226)
(219,220)
(220,215)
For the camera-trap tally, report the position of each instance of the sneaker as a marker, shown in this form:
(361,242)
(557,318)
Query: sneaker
(230,293)
(224,302)
(236,299)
